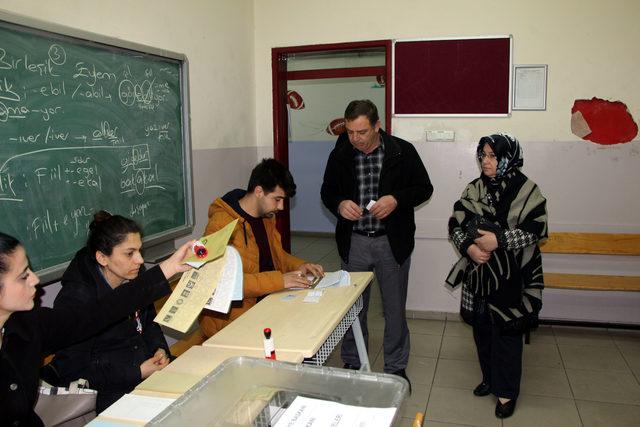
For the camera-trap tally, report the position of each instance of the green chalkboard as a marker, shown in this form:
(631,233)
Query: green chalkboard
(87,125)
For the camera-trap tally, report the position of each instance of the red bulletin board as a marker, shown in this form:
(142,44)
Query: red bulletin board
(462,76)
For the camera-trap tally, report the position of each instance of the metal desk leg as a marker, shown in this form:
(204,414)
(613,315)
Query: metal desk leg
(360,345)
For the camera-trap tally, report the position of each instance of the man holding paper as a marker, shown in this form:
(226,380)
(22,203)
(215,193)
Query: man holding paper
(266,266)
(372,183)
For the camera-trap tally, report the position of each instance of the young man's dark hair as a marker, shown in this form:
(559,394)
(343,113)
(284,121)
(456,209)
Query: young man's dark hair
(269,174)
(362,107)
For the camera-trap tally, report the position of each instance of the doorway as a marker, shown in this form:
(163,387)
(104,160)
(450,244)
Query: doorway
(312,85)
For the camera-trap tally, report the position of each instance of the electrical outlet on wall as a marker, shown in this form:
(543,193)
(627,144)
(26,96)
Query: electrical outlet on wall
(441,135)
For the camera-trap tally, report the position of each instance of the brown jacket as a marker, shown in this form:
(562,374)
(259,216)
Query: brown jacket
(255,284)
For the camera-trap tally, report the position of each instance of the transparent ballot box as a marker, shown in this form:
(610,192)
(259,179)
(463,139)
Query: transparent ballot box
(244,391)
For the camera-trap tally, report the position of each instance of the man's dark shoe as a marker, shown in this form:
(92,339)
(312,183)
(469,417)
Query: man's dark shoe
(483,389)
(350,366)
(403,374)
(505,410)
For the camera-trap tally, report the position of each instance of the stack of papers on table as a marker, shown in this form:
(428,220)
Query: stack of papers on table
(334,280)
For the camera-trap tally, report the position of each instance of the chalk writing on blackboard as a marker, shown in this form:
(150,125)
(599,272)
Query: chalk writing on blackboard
(86,126)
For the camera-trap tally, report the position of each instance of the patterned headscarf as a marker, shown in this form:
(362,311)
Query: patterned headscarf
(507,150)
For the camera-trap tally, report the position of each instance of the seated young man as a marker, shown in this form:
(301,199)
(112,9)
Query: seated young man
(267,267)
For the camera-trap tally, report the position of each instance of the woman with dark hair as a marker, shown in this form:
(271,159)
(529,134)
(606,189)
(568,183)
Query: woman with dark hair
(27,334)
(496,226)
(121,356)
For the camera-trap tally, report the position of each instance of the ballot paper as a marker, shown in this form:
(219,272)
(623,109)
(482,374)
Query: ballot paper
(214,246)
(312,296)
(194,290)
(334,280)
(310,412)
(229,287)
(136,408)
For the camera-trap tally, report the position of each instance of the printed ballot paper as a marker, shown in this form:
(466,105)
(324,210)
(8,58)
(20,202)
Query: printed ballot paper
(216,282)
(214,285)
(211,247)
(334,279)
(310,412)
(229,287)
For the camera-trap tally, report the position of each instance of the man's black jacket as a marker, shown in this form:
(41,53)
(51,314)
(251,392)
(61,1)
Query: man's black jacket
(403,176)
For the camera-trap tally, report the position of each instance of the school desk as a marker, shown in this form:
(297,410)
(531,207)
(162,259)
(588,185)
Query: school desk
(312,329)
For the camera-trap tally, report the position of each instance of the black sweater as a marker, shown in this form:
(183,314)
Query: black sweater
(110,360)
(30,335)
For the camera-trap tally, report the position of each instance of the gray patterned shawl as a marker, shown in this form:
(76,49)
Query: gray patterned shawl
(512,279)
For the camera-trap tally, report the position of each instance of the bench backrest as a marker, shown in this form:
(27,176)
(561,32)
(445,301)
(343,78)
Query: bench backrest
(592,243)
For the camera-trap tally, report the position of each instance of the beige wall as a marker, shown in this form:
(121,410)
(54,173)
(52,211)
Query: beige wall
(591,48)
(216,36)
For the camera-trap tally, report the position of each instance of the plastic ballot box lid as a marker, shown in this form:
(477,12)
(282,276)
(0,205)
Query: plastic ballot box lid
(244,391)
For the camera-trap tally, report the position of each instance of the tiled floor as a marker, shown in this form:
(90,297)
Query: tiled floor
(571,377)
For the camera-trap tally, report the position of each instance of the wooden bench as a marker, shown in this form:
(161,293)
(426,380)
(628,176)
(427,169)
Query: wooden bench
(592,244)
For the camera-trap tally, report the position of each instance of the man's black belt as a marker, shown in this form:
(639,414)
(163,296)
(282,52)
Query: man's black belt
(371,233)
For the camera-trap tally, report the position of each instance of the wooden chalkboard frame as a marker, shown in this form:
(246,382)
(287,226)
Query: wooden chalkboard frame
(411,76)
(160,244)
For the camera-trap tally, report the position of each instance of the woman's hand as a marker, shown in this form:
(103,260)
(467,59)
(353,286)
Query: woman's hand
(478,255)
(175,263)
(155,363)
(487,241)
(161,358)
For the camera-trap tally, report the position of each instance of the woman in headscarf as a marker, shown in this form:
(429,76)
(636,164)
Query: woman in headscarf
(496,226)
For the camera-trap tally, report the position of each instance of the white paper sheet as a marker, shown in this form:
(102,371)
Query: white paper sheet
(334,279)
(309,412)
(312,296)
(229,286)
(137,408)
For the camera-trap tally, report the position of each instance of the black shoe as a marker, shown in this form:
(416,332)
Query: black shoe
(403,374)
(483,389)
(505,410)
(350,366)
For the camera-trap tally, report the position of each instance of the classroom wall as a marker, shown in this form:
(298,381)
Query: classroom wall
(591,50)
(217,38)
(590,47)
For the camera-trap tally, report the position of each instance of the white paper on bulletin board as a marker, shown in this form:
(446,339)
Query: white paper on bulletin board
(530,87)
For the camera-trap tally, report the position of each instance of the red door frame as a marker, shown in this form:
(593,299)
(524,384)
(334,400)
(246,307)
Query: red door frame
(279,78)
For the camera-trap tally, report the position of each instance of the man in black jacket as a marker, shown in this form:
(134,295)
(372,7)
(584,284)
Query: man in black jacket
(372,183)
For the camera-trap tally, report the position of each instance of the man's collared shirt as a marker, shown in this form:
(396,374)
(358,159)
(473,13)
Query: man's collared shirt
(368,167)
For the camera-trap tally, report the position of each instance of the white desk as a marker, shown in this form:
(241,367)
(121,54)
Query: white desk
(312,329)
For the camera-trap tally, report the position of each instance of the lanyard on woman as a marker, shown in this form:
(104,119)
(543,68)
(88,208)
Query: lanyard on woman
(136,316)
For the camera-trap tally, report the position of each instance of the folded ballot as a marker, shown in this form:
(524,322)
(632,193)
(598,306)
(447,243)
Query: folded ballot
(213,286)
(210,247)
(334,279)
